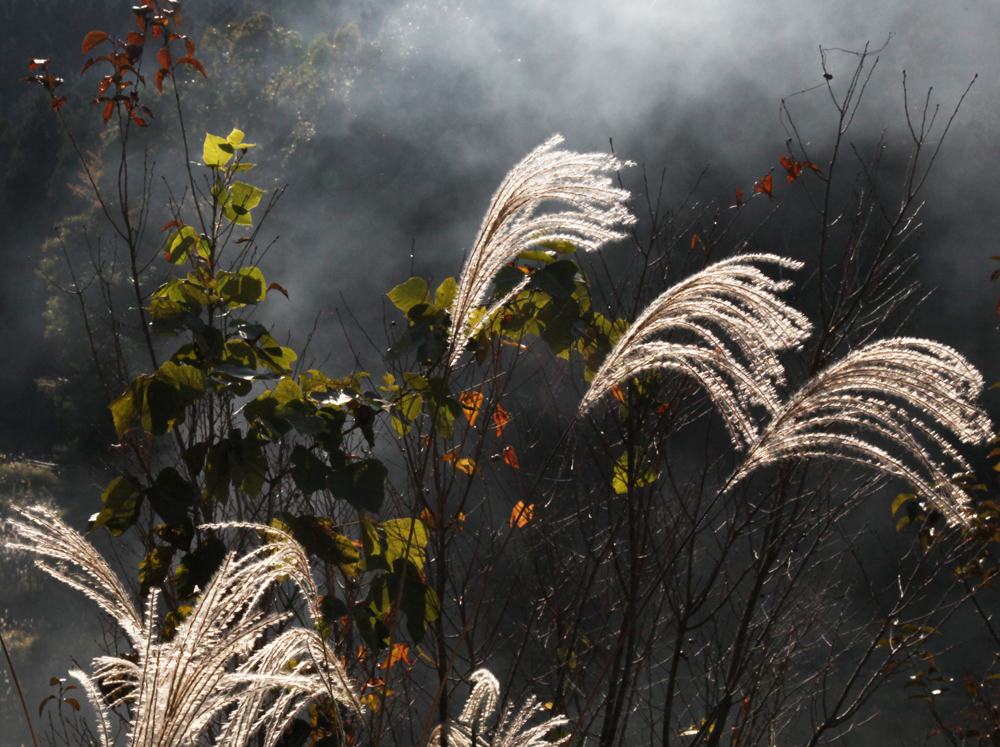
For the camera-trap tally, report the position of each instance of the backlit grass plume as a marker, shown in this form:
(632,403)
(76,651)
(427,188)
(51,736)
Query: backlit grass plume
(731,325)
(887,405)
(513,223)
(472,730)
(218,674)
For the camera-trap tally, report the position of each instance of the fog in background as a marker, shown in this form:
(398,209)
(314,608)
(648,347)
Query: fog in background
(462,90)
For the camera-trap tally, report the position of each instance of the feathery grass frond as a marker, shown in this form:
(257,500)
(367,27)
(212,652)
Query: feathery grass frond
(513,223)
(80,565)
(887,405)
(736,325)
(214,674)
(512,729)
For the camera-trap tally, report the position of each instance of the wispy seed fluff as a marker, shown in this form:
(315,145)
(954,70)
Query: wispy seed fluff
(734,324)
(595,210)
(227,673)
(887,405)
(511,731)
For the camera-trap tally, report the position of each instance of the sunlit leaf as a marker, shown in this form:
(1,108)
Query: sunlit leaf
(510,456)
(764,186)
(471,404)
(500,419)
(92,39)
(521,514)
(407,295)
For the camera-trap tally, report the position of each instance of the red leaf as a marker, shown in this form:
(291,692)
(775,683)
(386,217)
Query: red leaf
(105,83)
(91,61)
(173,224)
(764,186)
(190,47)
(56,103)
(135,38)
(243,240)
(275,286)
(164,58)
(139,121)
(739,197)
(108,108)
(793,168)
(500,419)
(807,165)
(193,63)
(92,39)
(510,456)
(38,62)
(157,31)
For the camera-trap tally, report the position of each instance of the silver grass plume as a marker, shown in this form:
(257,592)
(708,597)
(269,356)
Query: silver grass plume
(513,223)
(471,730)
(216,674)
(887,405)
(736,325)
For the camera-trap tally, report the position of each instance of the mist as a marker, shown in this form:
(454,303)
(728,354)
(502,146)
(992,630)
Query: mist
(460,91)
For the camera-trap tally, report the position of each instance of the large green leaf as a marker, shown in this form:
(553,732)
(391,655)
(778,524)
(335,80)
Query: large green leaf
(243,199)
(409,294)
(362,484)
(121,500)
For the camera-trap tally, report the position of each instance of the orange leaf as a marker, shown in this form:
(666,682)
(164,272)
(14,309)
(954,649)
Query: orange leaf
(398,653)
(164,58)
(618,393)
(108,109)
(428,518)
(739,197)
(471,402)
(694,240)
(92,39)
(500,419)
(38,62)
(764,186)
(462,464)
(193,63)
(56,103)
(521,514)
(275,286)
(510,456)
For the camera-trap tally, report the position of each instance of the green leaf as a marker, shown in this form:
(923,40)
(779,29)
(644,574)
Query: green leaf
(121,500)
(319,536)
(308,471)
(641,474)
(900,500)
(244,287)
(172,497)
(557,279)
(217,151)
(235,139)
(180,244)
(197,568)
(414,291)
(444,296)
(362,484)
(406,539)
(561,246)
(154,567)
(125,407)
(243,199)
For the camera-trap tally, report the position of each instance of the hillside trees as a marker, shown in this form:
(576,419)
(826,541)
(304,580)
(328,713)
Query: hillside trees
(652,575)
